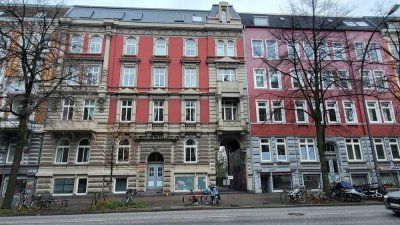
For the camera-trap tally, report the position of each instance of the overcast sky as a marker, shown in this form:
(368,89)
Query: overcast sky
(360,7)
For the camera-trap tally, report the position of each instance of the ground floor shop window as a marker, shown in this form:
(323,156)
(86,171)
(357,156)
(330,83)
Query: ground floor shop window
(20,186)
(63,186)
(281,182)
(190,182)
(390,179)
(359,179)
(312,181)
(120,185)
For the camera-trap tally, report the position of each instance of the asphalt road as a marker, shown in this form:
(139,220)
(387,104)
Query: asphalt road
(353,215)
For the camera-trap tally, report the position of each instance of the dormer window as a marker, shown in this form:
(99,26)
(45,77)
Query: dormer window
(223,16)
(261,21)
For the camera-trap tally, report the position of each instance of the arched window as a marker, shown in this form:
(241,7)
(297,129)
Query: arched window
(190,47)
(230,49)
(161,46)
(223,16)
(123,151)
(83,151)
(95,44)
(220,48)
(130,46)
(62,151)
(190,151)
(76,44)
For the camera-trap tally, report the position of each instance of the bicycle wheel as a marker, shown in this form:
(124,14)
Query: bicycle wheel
(55,205)
(188,200)
(16,205)
(284,197)
(36,204)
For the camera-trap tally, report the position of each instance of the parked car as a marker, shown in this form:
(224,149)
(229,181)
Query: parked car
(392,201)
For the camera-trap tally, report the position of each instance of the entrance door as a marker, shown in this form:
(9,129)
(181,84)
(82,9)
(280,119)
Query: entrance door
(155,177)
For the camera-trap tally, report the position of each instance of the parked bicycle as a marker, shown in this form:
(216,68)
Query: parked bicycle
(203,196)
(315,197)
(21,200)
(47,201)
(129,196)
(297,194)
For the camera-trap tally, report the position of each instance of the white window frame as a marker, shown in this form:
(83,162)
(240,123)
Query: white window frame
(160,107)
(323,50)
(160,48)
(395,142)
(261,45)
(383,79)
(282,109)
(337,47)
(227,74)
(63,147)
(68,105)
(266,107)
(95,71)
(269,45)
(186,147)
(353,108)
(89,105)
(308,50)
(281,142)
(12,143)
(124,147)
(159,77)
(234,109)
(377,111)
(326,75)
(267,143)
(63,194)
(359,46)
(367,77)
(78,46)
(95,46)
(190,50)
(130,48)
(380,142)
(230,49)
(272,72)
(296,79)
(190,106)
(344,77)
(264,77)
(353,143)
(389,107)
(303,108)
(115,185)
(308,142)
(85,148)
(296,53)
(220,48)
(374,48)
(394,52)
(77,185)
(130,71)
(337,113)
(190,77)
(124,106)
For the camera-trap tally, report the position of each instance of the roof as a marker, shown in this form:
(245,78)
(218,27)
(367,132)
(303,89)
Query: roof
(33,10)
(138,14)
(232,12)
(303,22)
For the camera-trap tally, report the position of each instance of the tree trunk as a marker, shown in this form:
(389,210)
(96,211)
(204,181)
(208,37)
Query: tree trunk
(12,180)
(321,151)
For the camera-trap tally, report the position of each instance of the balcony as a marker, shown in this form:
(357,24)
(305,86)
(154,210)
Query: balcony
(229,87)
(232,125)
(12,125)
(72,126)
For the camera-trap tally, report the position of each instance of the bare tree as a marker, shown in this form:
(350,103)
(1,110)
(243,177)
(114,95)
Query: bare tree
(33,54)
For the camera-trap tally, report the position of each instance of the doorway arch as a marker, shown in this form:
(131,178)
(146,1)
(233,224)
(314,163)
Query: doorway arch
(155,172)
(332,162)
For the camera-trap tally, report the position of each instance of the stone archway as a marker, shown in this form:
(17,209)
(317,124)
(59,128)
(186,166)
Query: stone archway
(155,172)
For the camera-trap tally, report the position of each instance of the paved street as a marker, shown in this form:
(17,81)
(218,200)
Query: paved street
(363,215)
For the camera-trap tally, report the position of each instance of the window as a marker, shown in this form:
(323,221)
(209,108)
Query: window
(349,112)
(190,77)
(190,47)
(230,48)
(379,79)
(158,111)
(260,80)
(223,16)
(68,109)
(359,49)
(373,112)
(333,112)
(272,49)
(394,51)
(159,77)
(260,21)
(161,47)
(265,149)
(190,111)
(275,81)
(62,151)
(220,48)
(190,182)
(296,78)
(73,75)
(301,112)
(82,186)
(307,149)
(338,51)
(120,185)
(76,44)
(123,151)
(359,179)
(353,149)
(374,52)
(190,151)
(379,149)
(83,151)
(367,79)
(281,149)
(229,110)
(394,147)
(130,46)
(128,76)
(92,75)
(88,109)
(257,48)
(328,81)
(308,50)
(63,186)
(278,112)
(227,75)
(323,51)
(390,179)
(387,112)
(126,110)
(12,146)
(312,181)
(262,111)
(344,80)
(293,50)
(95,44)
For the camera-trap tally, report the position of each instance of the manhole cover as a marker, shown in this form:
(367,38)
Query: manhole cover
(295,214)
